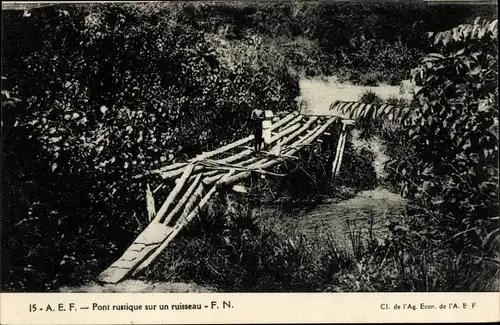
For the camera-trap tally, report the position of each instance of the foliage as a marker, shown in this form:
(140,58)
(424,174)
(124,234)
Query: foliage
(360,42)
(371,43)
(377,61)
(109,91)
(459,110)
(449,170)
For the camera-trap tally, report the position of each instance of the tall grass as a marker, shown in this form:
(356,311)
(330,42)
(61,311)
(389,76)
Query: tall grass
(231,250)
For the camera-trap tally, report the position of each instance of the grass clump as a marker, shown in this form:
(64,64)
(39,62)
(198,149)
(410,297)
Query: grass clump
(229,249)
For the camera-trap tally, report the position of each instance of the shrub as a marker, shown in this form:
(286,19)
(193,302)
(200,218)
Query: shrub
(345,39)
(457,190)
(109,91)
(449,169)
(370,97)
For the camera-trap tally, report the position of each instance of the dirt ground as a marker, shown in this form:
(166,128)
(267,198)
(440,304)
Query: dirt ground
(368,211)
(139,286)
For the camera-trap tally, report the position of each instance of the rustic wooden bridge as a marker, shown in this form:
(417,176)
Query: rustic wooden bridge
(199,178)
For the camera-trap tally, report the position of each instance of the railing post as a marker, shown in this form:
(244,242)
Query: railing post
(339,153)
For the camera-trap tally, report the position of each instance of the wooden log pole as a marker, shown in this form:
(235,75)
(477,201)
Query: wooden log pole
(299,131)
(177,228)
(195,185)
(310,136)
(290,127)
(144,245)
(266,163)
(191,202)
(171,197)
(341,154)
(337,151)
(345,129)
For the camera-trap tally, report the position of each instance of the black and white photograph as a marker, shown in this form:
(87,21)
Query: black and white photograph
(292,146)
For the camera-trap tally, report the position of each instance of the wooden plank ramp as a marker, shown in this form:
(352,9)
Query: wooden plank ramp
(144,245)
(199,178)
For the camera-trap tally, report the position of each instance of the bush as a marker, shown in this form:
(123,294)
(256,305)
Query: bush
(445,156)
(109,91)
(370,97)
(456,192)
(324,38)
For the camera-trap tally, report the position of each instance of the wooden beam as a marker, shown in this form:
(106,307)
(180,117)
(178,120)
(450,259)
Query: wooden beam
(161,170)
(142,247)
(340,156)
(173,194)
(337,151)
(290,128)
(196,184)
(192,201)
(299,131)
(177,228)
(341,153)
(266,163)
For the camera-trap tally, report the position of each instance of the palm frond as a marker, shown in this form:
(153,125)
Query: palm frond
(356,110)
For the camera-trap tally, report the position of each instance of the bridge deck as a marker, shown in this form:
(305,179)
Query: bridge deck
(199,178)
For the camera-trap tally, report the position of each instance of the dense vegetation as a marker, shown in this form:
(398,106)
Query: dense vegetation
(107,93)
(446,158)
(110,90)
(364,43)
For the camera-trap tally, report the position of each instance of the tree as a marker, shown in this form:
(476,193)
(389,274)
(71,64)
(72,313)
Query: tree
(449,172)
